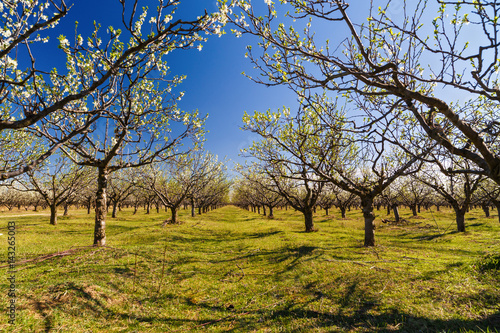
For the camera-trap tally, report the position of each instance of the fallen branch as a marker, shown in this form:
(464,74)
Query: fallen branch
(49,256)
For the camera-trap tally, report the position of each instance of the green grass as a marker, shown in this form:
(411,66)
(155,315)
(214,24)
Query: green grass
(233,270)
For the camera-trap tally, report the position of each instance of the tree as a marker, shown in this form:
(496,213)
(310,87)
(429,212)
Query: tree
(57,181)
(412,193)
(181,177)
(284,174)
(206,171)
(121,184)
(320,139)
(456,189)
(259,186)
(40,101)
(383,58)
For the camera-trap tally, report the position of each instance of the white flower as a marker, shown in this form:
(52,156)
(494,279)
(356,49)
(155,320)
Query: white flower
(200,47)
(268,2)
(64,42)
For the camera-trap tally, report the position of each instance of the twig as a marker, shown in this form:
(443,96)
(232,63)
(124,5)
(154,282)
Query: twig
(48,256)
(135,273)
(162,269)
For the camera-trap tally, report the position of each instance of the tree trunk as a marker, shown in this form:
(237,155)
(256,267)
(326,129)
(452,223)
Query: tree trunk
(388,209)
(486,209)
(264,210)
(460,218)
(115,204)
(497,205)
(343,212)
(65,209)
(193,214)
(174,214)
(100,208)
(308,219)
(258,210)
(89,204)
(395,209)
(367,208)
(414,210)
(271,212)
(53,214)
(326,211)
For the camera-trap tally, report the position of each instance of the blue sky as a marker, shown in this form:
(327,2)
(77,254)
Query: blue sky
(214,82)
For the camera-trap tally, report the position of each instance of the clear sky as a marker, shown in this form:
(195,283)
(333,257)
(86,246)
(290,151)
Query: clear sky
(214,82)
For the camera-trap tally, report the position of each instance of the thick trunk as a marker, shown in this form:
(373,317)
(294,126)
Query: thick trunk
(419,208)
(395,209)
(174,214)
(100,208)
(264,210)
(115,204)
(258,210)
(497,205)
(460,218)
(271,212)
(343,212)
(486,209)
(192,208)
(148,207)
(65,209)
(308,219)
(367,208)
(53,214)
(414,210)
(135,209)
(326,211)
(388,209)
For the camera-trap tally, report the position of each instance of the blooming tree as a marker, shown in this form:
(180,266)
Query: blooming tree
(65,102)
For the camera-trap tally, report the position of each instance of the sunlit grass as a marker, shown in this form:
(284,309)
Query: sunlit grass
(233,270)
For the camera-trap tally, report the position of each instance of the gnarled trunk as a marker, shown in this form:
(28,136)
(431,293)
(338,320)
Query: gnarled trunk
(343,212)
(115,205)
(53,214)
(174,214)
(486,209)
(460,218)
(308,219)
(271,212)
(414,210)
(367,208)
(192,208)
(100,208)
(395,209)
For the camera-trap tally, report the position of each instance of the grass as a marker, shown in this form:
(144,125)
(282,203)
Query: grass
(233,270)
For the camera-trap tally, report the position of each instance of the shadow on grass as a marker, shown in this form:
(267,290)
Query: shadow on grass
(357,310)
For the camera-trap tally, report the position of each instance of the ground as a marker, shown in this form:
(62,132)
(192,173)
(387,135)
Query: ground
(233,270)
